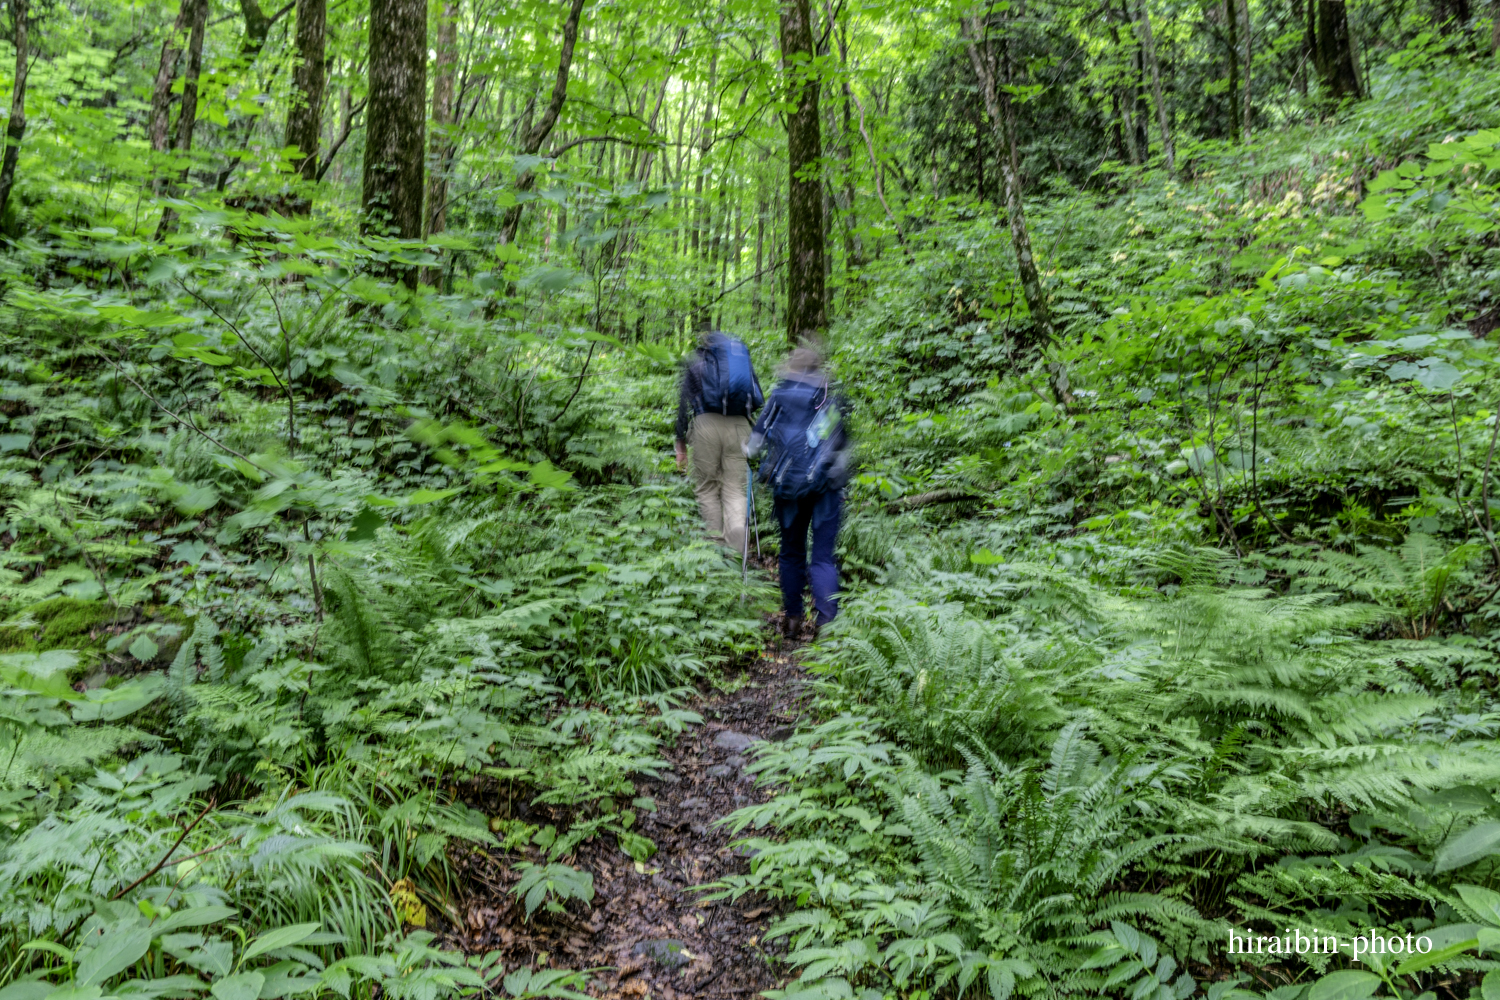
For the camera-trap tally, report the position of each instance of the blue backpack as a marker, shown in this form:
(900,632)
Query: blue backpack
(807,441)
(729,383)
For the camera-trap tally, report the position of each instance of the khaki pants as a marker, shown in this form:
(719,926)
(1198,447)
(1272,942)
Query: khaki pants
(719,471)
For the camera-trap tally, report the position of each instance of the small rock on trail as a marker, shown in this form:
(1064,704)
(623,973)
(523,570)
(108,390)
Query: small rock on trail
(728,739)
(646,929)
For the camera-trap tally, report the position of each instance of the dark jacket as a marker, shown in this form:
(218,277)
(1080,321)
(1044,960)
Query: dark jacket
(789,401)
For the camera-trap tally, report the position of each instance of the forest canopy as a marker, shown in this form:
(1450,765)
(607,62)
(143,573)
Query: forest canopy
(358,635)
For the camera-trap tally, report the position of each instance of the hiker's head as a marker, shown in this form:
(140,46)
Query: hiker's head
(804,360)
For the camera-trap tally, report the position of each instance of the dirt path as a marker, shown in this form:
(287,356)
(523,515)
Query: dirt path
(660,940)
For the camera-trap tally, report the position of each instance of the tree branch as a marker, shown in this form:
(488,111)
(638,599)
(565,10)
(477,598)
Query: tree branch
(175,844)
(338,143)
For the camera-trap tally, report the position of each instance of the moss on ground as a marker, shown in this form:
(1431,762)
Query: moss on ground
(60,623)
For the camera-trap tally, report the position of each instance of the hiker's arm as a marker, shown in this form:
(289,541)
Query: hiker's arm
(762,427)
(688,390)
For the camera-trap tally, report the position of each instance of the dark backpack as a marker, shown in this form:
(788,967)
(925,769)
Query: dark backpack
(729,383)
(806,439)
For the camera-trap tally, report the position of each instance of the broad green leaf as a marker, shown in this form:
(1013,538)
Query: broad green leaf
(280,937)
(197,500)
(28,989)
(431,496)
(241,986)
(1484,902)
(197,916)
(73,991)
(548,476)
(1347,984)
(109,704)
(1478,841)
(1419,962)
(364,526)
(117,951)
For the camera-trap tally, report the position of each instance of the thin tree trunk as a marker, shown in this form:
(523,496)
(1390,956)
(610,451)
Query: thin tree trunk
(1002,121)
(304,121)
(807,308)
(995,100)
(1249,64)
(703,212)
(1231,27)
(439,139)
(1163,120)
(878,171)
(760,239)
(158,125)
(531,142)
(854,252)
(395,120)
(187,116)
(1122,98)
(15,128)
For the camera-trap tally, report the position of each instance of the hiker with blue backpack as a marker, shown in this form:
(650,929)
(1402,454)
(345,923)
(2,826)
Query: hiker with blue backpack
(806,467)
(718,399)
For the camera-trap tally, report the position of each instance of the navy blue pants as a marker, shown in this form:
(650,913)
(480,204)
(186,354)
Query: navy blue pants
(819,513)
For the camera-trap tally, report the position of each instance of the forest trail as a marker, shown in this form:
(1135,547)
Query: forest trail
(646,930)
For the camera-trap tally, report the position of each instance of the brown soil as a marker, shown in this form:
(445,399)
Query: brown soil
(638,907)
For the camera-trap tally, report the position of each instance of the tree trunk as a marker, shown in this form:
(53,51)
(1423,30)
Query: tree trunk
(1163,120)
(440,138)
(854,252)
(1126,135)
(159,123)
(995,101)
(1231,28)
(15,129)
(1335,52)
(1451,16)
(304,121)
(257,27)
(531,142)
(1249,64)
(187,117)
(807,309)
(394,121)
(1002,122)
(760,239)
(703,211)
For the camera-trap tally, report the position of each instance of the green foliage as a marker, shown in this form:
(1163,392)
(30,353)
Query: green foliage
(553,885)
(1179,621)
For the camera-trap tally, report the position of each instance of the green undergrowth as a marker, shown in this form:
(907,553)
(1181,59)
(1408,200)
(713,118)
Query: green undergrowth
(1206,649)
(1177,626)
(265,627)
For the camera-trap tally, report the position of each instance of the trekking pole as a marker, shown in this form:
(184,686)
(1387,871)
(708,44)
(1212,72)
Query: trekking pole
(749,520)
(750,512)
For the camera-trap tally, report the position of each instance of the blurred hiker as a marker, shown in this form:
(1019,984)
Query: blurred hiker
(807,467)
(718,399)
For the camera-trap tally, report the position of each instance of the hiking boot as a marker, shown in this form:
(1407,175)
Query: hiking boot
(791,627)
